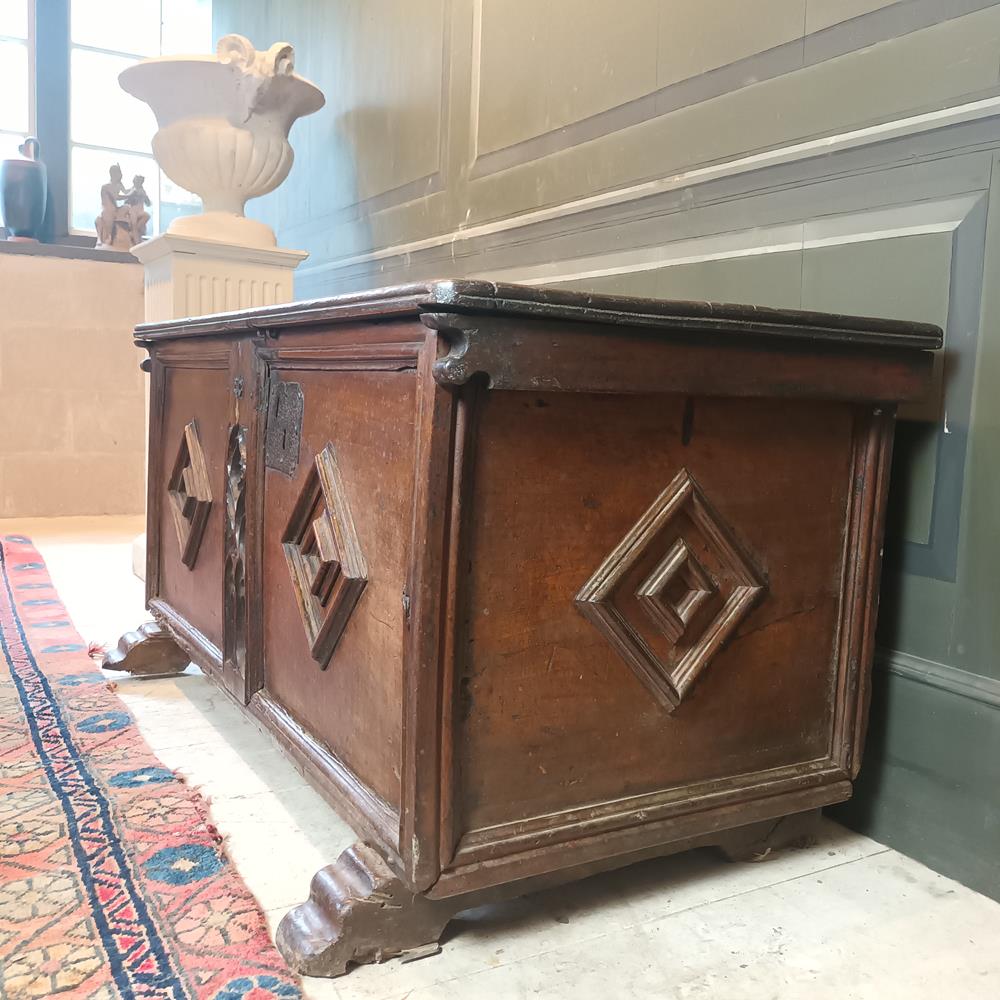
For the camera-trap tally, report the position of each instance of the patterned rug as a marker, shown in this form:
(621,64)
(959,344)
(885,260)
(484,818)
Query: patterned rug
(112,879)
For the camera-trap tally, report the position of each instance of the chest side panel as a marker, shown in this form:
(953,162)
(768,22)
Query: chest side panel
(653,596)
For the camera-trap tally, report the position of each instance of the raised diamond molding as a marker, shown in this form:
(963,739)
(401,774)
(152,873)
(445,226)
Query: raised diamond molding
(190,494)
(324,557)
(673,591)
(234,547)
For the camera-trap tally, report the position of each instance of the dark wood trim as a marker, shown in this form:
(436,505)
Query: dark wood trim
(355,801)
(241,468)
(527,302)
(531,356)
(235,614)
(180,356)
(425,604)
(601,818)
(869,543)
(252,410)
(539,302)
(154,474)
(388,356)
(382,304)
(606,851)
(855,584)
(456,614)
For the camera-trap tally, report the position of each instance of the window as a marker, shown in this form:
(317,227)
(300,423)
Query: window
(70,52)
(107,125)
(16,118)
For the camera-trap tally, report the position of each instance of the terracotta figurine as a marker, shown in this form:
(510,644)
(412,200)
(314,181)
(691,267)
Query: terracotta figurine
(136,203)
(110,232)
(123,219)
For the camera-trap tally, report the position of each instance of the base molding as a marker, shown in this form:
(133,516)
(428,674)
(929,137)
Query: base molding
(928,787)
(604,850)
(954,680)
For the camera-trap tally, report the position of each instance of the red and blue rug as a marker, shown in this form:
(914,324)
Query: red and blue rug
(112,879)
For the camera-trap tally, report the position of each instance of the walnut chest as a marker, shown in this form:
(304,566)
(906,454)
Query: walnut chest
(531,583)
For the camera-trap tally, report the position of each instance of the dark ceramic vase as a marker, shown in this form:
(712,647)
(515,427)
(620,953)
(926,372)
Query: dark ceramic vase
(23,187)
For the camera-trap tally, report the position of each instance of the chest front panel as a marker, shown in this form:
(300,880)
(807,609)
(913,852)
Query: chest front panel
(188,489)
(335,547)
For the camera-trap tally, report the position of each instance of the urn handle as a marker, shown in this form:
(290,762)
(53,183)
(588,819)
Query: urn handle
(31,148)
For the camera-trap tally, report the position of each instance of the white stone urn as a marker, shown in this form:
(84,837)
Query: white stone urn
(223,129)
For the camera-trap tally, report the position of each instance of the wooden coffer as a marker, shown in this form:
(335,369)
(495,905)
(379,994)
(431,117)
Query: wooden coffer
(531,581)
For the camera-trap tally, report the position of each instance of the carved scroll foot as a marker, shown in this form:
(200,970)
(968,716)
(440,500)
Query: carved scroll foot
(358,911)
(760,841)
(148,650)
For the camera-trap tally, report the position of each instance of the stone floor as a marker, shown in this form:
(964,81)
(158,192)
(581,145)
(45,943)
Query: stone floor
(848,918)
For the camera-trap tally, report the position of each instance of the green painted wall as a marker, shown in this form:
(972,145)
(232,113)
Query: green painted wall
(829,154)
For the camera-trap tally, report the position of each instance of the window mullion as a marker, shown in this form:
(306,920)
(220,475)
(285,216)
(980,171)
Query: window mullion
(51,87)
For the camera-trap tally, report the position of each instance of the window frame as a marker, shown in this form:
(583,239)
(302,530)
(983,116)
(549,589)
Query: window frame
(29,43)
(49,70)
(113,150)
(53,50)
(50,85)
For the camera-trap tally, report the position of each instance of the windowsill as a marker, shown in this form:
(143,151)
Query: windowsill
(66,251)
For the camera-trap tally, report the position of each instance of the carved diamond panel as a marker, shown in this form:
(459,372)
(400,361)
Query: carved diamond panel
(190,494)
(327,566)
(673,591)
(234,547)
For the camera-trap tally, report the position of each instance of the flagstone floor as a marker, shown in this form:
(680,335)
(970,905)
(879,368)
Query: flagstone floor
(848,918)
